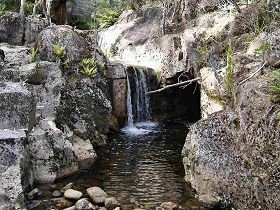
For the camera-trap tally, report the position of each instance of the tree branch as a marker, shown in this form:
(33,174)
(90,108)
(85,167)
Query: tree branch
(175,85)
(252,75)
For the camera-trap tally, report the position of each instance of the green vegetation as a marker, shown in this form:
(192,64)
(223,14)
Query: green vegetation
(66,64)
(229,74)
(83,23)
(107,18)
(34,53)
(88,67)
(264,48)
(275,83)
(262,20)
(59,50)
(13,6)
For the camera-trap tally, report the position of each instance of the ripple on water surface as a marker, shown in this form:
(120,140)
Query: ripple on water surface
(142,166)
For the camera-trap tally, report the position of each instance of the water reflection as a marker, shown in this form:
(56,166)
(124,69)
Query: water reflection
(143,168)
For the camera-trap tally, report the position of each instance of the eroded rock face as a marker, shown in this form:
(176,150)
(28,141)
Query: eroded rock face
(233,150)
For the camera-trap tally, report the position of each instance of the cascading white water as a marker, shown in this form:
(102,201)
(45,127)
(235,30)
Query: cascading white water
(142,103)
(138,111)
(129,105)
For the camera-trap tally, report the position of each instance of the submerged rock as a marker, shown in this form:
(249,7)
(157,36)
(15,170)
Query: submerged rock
(97,195)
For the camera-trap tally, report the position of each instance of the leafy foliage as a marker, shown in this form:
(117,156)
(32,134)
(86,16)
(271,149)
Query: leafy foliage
(229,74)
(34,53)
(107,18)
(59,50)
(88,67)
(83,23)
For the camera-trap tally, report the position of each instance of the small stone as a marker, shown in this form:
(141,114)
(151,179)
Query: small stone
(159,208)
(111,203)
(102,208)
(70,208)
(56,194)
(84,204)
(67,187)
(97,195)
(73,194)
(169,206)
(118,208)
(33,194)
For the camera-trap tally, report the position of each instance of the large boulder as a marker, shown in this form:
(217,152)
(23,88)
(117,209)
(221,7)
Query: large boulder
(52,153)
(76,47)
(16,107)
(86,109)
(237,149)
(15,175)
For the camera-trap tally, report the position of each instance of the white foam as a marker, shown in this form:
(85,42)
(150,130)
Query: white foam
(140,128)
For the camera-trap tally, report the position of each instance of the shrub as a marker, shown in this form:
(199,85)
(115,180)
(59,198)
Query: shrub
(88,67)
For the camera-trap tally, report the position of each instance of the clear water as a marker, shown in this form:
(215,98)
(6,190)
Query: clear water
(142,167)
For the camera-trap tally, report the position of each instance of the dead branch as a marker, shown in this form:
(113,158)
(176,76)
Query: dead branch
(175,85)
(252,75)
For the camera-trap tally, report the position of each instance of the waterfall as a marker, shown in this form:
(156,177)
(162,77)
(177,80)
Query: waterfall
(129,105)
(138,110)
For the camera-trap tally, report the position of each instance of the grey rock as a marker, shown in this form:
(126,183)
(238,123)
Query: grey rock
(84,151)
(12,28)
(70,208)
(169,206)
(33,194)
(33,26)
(86,110)
(76,47)
(237,149)
(56,194)
(84,204)
(16,107)
(16,176)
(111,203)
(67,187)
(52,153)
(97,195)
(73,194)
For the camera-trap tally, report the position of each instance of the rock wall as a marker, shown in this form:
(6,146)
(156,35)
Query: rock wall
(231,157)
(55,120)
(16,119)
